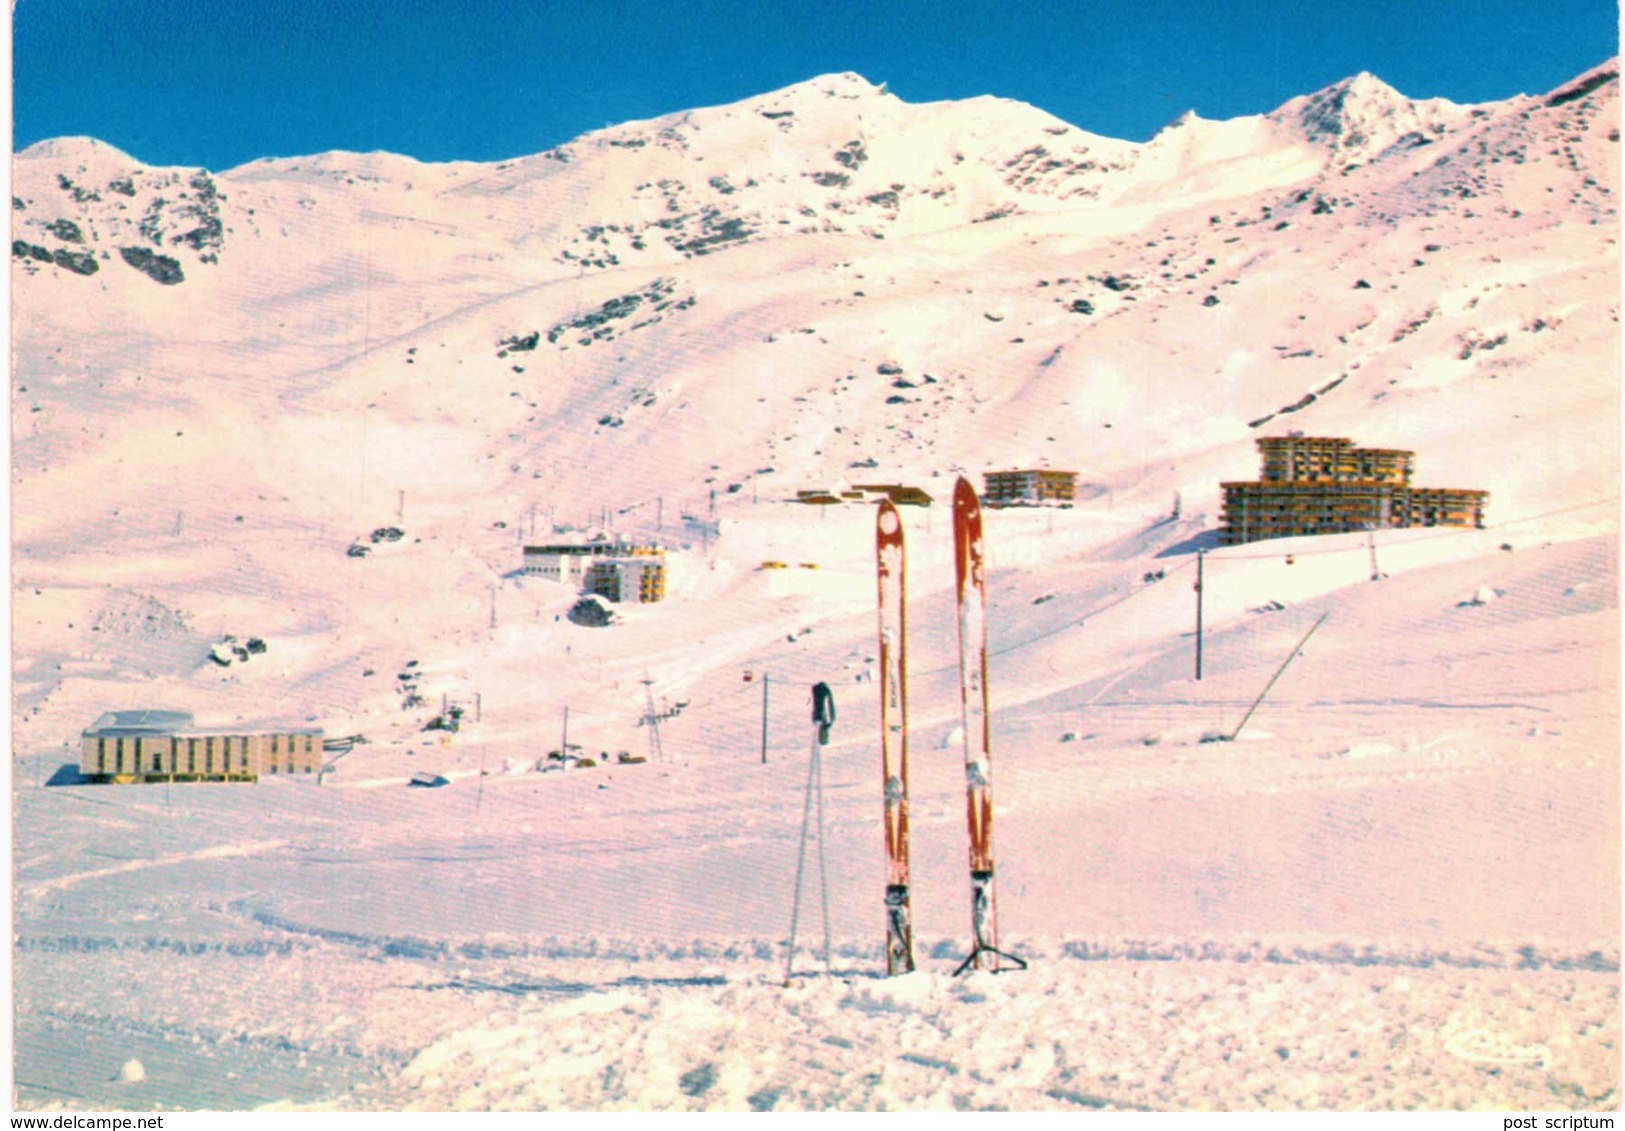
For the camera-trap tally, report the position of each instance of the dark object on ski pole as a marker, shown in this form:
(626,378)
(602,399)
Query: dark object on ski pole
(823,712)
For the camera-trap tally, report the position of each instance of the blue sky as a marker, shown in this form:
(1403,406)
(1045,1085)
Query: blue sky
(216,84)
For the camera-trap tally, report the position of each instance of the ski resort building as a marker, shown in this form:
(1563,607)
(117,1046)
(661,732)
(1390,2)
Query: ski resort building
(570,562)
(1320,485)
(556,563)
(900,494)
(1291,459)
(146,746)
(1032,488)
(639,580)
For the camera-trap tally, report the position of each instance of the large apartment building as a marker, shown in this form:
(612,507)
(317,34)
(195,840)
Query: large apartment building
(1322,485)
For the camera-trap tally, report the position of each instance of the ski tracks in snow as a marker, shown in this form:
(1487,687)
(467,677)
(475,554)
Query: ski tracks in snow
(215,852)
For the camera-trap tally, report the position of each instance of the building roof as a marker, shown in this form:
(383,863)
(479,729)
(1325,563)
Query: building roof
(153,722)
(595,549)
(1328,442)
(576,548)
(128,723)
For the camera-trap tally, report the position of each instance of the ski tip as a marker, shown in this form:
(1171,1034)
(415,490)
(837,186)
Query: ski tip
(964,495)
(888,523)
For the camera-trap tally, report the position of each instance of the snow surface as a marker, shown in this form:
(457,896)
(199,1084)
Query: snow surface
(1395,886)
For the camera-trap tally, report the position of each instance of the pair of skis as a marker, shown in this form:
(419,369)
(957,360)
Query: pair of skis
(971,599)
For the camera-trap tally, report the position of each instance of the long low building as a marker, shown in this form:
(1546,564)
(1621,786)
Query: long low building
(1326,485)
(152,745)
(1253,512)
(899,493)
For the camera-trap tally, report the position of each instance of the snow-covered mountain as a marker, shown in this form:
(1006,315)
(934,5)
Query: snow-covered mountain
(222,380)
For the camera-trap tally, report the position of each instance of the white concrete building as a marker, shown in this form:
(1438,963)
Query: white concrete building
(568,564)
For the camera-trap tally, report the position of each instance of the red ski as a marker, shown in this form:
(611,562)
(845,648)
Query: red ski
(889,564)
(969,570)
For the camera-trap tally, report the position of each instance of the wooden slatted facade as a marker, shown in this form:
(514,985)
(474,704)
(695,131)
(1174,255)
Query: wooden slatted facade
(1289,459)
(1319,485)
(149,746)
(1030,488)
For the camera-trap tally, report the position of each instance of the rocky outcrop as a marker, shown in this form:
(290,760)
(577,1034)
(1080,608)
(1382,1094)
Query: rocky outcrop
(600,325)
(79,262)
(66,231)
(158,268)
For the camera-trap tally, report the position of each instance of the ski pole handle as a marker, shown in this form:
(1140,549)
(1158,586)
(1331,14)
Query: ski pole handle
(823,711)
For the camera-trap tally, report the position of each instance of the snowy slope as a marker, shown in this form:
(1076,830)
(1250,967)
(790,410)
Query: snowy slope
(224,379)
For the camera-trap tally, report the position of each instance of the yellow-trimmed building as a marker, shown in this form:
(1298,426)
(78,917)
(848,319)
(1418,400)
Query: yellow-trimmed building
(637,580)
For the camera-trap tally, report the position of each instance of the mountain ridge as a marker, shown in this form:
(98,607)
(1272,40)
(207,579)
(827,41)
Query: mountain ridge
(705,313)
(857,86)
